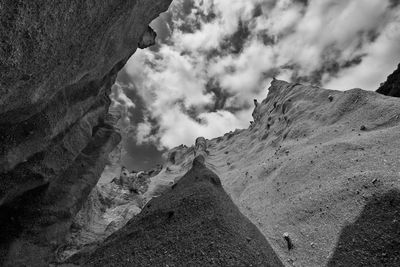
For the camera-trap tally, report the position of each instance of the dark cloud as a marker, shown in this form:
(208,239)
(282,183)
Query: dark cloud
(257,11)
(266,38)
(239,106)
(235,42)
(394,3)
(329,66)
(220,96)
(303,2)
(141,157)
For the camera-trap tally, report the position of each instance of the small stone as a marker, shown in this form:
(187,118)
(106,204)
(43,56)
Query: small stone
(374,181)
(312,245)
(330,97)
(363,128)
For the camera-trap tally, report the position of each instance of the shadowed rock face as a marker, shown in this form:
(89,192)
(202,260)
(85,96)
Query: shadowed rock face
(58,61)
(392,85)
(374,238)
(195,223)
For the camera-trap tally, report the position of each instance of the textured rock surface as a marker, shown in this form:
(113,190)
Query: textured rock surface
(108,207)
(58,61)
(195,223)
(392,85)
(307,167)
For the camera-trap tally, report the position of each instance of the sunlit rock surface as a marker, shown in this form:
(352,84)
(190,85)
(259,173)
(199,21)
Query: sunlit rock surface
(108,208)
(318,166)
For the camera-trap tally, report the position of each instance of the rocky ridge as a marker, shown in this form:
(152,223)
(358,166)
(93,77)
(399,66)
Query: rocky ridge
(313,164)
(316,172)
(317,167)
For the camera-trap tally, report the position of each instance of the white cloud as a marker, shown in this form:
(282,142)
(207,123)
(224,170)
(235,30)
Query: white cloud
(248,67)
(287,36)
(178,128)
(383,55)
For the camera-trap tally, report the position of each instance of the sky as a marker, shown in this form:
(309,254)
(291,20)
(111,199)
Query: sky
(213,57)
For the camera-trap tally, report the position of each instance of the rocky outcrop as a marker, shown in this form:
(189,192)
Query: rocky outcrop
(392,85)
(316,167)
(108,208)
(58,62)
(195,223)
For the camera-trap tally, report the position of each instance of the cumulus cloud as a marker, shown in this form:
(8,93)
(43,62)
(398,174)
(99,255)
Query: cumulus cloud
(215,56)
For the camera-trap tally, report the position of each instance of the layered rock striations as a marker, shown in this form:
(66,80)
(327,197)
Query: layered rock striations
(58,62)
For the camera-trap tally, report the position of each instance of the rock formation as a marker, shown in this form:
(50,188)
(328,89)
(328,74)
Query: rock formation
(58,61)
(108,207)
(317,168)
(392,85)
(195,223)
(306,169)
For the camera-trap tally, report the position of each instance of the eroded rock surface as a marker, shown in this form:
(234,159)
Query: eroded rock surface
(108,208)
(195,223)
(58,61)
(320,166)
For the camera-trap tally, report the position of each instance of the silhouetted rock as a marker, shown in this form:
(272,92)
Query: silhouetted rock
(392,85)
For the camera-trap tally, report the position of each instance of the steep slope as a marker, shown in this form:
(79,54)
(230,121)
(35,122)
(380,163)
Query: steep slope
(313,164)
(58,60)
(195,223)
(392,85)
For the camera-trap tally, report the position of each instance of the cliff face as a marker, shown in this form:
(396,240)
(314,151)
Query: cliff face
(320,166)
(58,61)
(392,85)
